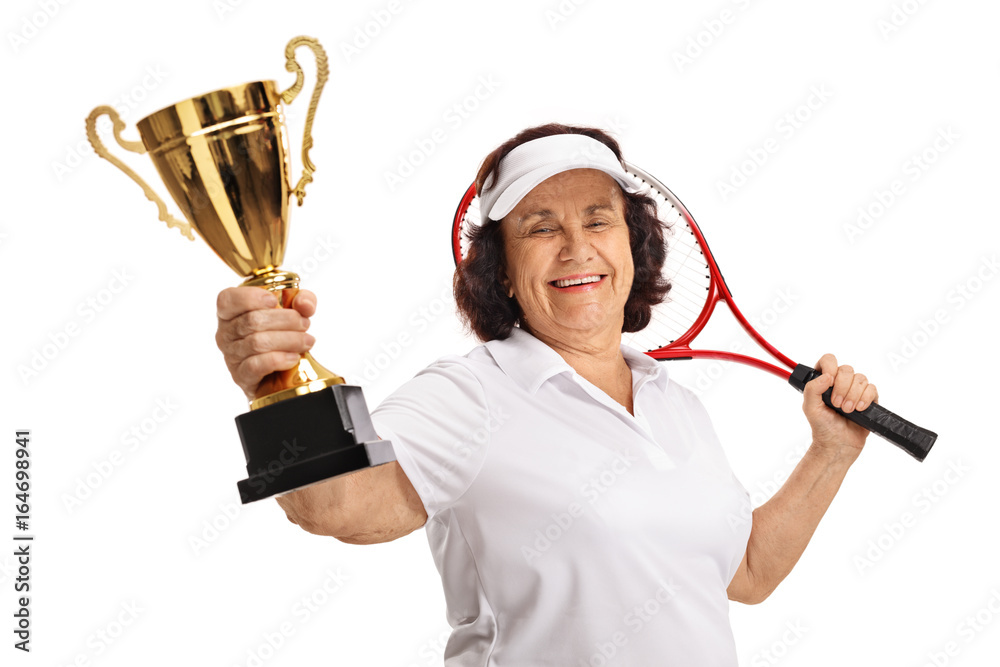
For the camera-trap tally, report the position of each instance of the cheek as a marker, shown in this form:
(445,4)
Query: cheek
(510,267)
(515,268)
(626,262)
(523,267)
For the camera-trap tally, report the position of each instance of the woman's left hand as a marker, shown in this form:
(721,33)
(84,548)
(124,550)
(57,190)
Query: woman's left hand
(832,433)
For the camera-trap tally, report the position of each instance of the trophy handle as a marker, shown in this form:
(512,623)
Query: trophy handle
(322,74)
(135,147)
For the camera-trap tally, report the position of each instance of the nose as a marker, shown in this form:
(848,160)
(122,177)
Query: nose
(576,245)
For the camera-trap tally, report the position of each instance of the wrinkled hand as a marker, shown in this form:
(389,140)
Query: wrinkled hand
(832,433)
(257,338)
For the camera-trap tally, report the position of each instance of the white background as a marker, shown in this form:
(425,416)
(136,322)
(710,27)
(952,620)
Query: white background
(892,77)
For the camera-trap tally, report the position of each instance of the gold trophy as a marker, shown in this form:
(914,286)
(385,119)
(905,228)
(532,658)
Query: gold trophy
(224,158)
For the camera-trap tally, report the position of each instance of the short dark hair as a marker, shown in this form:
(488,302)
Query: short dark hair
(482,300)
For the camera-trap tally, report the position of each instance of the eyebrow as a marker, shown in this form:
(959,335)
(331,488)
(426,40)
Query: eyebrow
(548,213)
(604,206)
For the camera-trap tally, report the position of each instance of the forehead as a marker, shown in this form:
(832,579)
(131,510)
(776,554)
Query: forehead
(576,187)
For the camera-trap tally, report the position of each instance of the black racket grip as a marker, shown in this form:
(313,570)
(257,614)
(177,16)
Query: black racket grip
(914,440)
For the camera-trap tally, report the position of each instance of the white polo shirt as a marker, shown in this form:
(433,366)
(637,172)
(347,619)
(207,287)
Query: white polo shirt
(566,531)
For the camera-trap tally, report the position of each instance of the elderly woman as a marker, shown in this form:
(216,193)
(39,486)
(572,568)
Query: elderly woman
(578,504)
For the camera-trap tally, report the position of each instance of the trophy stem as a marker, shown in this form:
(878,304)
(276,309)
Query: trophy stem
(308,375)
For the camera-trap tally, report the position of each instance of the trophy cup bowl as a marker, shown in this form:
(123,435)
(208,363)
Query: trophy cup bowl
(225,161)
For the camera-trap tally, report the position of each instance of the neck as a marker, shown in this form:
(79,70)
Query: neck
(598,359)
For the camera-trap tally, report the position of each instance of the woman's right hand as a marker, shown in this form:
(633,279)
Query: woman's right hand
(257,338)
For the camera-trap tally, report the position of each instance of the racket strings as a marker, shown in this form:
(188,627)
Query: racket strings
(471,220)
(685,268)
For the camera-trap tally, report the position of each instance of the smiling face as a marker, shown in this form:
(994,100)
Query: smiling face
(569,263)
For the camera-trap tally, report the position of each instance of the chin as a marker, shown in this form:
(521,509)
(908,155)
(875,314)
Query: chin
(588,322)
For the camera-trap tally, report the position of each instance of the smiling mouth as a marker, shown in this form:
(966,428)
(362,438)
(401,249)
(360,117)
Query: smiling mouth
(572,282)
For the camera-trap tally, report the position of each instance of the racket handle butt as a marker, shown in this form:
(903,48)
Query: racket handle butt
(914,440)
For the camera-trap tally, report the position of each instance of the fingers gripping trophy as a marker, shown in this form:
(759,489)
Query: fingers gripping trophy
(224,158)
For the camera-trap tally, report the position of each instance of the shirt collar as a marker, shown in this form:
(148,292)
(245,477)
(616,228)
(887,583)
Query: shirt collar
(644,368)
(530,362)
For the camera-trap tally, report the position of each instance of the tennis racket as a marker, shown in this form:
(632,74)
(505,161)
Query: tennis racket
(697,287)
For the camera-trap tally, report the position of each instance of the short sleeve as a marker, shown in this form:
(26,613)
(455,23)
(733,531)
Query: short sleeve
(439,426)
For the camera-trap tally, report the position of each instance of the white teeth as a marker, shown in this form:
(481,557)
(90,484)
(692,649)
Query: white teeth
(576,281)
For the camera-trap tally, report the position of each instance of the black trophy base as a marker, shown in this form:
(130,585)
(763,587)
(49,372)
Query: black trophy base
(308,439)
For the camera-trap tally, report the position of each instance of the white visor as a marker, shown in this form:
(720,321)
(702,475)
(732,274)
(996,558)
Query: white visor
(534,161)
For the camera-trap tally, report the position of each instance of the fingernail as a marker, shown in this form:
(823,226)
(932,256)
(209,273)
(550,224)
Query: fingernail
(305,322)
(837,400)
(848,406)
(270,301)
(310,340)
(292,358)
